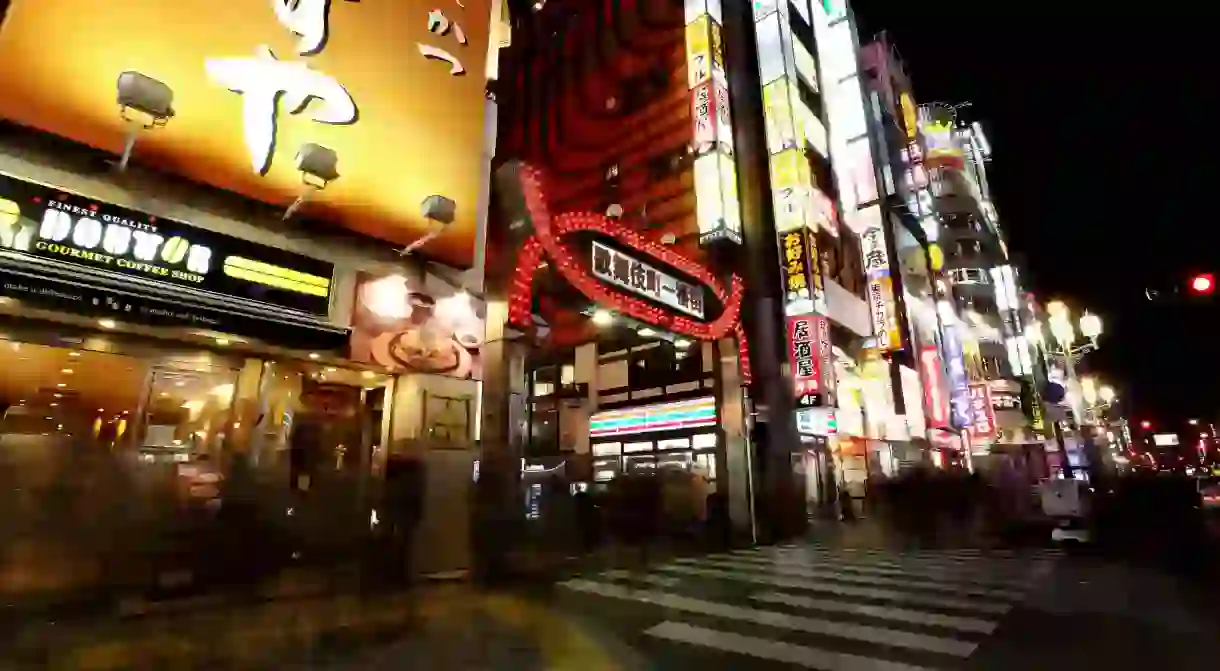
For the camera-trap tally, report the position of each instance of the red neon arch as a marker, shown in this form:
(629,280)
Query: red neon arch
(546,242)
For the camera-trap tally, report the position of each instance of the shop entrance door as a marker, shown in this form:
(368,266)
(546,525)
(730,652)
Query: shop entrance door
(335,430)
(814,472)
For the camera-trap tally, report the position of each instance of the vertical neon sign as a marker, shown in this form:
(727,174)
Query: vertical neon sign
(718,211)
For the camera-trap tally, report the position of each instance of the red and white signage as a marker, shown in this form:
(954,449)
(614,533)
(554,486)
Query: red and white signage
(982,426)
(703,113)
(936,400)
(809,351)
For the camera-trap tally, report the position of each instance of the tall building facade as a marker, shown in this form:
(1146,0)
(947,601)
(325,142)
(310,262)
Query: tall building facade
(722,149)
(624,285)
(962,291)
(732,246)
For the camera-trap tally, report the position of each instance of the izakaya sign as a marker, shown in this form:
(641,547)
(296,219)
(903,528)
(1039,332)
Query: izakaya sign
(810,354)
(880,289)
(612,266)
(252,85)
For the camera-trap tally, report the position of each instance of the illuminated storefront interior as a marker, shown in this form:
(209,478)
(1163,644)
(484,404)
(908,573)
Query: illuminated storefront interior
(190,290)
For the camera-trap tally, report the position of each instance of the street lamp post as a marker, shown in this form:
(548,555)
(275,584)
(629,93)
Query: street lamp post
(1064,332)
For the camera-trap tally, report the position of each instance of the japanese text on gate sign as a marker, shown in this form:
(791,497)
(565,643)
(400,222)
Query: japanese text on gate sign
(612,266)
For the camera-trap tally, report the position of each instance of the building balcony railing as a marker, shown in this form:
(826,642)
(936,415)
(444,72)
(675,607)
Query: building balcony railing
(956,192)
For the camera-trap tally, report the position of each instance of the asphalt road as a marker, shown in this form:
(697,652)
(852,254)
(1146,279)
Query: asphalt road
(818,606)
(832,605)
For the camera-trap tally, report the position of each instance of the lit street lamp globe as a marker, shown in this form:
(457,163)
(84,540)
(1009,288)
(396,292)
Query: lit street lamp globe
(1090,326)
(1107,393)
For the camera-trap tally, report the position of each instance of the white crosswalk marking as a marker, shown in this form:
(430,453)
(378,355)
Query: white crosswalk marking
(799,655)
(974,576)
(908,557)
(997,567)
(827,608)
(810,625)
(849,577)
(845,590)
(883,612)
(663,581)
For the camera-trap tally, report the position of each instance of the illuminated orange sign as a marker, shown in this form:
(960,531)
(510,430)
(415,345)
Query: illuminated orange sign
(394,89)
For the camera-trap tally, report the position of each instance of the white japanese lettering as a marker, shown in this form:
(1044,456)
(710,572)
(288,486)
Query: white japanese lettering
(439,24)
(306,18)
(262,80)
(455,66)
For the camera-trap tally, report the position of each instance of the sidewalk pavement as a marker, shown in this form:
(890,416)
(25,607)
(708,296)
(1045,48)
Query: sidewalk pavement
(448,626)
(445,625)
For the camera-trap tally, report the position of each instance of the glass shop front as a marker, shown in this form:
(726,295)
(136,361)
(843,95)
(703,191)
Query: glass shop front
(158,376)
(677,435)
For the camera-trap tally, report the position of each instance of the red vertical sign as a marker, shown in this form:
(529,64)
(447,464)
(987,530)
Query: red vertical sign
(934,386)
(982,426)
(808,350)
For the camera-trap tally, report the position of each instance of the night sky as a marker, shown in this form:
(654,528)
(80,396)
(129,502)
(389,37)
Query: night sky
(1098,141)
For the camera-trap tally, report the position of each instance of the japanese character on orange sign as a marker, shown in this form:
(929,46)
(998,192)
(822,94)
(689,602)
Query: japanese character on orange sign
(439,24)
(264,79)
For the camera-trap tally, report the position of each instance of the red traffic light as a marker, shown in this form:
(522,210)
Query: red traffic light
(1203,284)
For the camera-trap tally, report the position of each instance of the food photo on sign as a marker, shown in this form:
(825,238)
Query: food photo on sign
(409,326)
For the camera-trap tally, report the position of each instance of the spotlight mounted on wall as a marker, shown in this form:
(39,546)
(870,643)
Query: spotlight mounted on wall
(144,104)
(319,166)
(437,209)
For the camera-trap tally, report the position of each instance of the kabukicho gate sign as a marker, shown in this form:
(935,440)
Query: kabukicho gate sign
(553,239)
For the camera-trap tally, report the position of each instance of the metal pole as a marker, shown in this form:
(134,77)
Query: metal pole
(1069,370)
(1065,464)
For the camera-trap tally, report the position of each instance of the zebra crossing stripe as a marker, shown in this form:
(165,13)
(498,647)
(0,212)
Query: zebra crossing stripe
(925,556)
(651,578)
(830,573)
(952,575)
(845,630)
(986,571)
(1011,552)
(1002,554)
(971,624)
(777,651)
(844,590)
(999,564)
